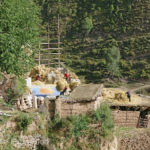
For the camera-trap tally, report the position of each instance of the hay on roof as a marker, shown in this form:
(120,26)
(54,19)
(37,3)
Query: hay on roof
(144,104)
(109,96)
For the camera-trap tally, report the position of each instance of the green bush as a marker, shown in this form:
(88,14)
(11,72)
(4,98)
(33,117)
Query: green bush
(87,24)
(103,114)
(55,123)
(20,86)
(17,90)
(112,61)
(23,121)
(79,123)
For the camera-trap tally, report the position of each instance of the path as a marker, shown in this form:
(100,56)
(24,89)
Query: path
(142,87)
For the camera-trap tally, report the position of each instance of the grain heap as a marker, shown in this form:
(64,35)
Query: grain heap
(119,96)
(53,76)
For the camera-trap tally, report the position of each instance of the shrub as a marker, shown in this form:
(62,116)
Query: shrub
(23,121)
(20,87)
(103,114)
(79,123)
(87,24)
(55,123)
(17,90)
(112,60)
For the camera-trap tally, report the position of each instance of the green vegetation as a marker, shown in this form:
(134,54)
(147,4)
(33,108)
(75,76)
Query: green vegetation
(96,34)
(112,61)
(110,23)
(17,90)
(103,114)
(3,119)
(78,132)
(18,34)
(23,121)
(87,24)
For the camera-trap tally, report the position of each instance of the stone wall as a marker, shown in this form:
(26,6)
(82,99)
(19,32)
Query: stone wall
(65,109)
(148,123)
(52,107)
(126,118)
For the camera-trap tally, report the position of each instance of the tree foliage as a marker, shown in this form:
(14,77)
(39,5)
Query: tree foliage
(19,20)
(87,24)
(112,61)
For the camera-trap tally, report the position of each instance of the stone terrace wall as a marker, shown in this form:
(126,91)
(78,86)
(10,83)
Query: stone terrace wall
(52,107)
(148,123)
(126,118)
(65,109)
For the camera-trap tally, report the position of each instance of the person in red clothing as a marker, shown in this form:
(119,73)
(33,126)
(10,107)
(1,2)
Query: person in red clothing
(66,75)
(38,77)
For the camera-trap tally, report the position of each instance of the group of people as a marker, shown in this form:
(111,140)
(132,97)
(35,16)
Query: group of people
(66,76)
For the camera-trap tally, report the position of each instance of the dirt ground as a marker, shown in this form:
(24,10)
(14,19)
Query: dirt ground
(139,140)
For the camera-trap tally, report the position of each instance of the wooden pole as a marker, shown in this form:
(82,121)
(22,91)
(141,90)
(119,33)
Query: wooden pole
(39,54)
(58,41)
(48,42)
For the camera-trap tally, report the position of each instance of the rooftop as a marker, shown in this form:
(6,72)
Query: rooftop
(86,92)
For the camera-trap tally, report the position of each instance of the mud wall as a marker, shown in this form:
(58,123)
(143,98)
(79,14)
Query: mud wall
(65,109)
(52,107)
(126,118)
(148,123)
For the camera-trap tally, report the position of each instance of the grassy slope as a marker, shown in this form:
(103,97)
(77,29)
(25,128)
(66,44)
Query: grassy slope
(121,23)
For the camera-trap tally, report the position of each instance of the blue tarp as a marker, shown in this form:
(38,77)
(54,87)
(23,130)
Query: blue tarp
(36,91)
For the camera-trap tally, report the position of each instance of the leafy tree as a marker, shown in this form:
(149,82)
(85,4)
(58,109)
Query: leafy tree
(87,24)
(19,31)
(112,60)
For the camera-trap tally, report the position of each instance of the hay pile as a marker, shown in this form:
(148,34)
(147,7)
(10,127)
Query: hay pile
(73,83)
(119,96)
(48,75)
(53,76)
(39,70)
(61,84)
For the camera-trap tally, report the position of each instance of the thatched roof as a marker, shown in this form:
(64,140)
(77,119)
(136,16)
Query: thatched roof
(110,95)
(145,103)
(85,92)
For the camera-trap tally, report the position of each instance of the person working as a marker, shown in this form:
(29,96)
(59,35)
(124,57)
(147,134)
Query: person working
(66,75)
(63,92)
(128,95)
(38,77)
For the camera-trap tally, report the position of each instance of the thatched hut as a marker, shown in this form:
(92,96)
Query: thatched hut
(131,114)
(84,98)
